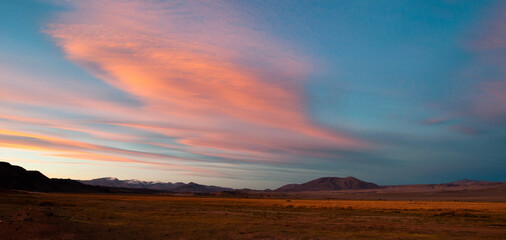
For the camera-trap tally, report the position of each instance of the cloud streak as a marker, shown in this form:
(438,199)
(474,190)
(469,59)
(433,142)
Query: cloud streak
(195,66)
(70,149)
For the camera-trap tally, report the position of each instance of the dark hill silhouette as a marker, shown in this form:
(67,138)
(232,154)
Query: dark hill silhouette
(15,177)
(328,184)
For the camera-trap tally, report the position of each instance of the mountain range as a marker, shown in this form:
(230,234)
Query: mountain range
(178,187)
(15,177)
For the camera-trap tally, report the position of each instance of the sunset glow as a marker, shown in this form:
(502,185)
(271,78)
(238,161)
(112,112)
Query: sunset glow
(254,93)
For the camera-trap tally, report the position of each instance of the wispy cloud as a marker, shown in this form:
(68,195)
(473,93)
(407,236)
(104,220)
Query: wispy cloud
(482,84)
(435,121)
(203,78)
(489,94)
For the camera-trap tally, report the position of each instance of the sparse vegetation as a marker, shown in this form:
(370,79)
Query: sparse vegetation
(86,216)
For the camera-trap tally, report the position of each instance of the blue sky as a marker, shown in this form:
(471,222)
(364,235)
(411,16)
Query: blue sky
(255,93)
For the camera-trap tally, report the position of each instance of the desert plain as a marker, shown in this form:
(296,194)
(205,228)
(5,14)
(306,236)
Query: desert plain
(29,215)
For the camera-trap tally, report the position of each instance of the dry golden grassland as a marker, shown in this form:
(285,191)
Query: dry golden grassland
(85,216)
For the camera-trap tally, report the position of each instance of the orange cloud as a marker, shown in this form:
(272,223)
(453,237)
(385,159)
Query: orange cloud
(80,150)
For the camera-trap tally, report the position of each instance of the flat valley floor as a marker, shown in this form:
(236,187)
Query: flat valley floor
(89,216)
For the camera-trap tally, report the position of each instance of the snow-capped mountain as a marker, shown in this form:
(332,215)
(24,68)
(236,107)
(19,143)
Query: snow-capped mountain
(168,186)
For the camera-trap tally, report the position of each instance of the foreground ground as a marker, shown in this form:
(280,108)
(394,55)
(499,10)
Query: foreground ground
(85,216)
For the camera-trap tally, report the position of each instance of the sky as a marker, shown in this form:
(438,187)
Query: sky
(255,94)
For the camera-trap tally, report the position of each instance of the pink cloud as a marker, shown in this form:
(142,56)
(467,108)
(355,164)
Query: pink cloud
(204,69)
(491,102)
(489,96)
(493,32)
(207,83)
(466,130)
(433,121)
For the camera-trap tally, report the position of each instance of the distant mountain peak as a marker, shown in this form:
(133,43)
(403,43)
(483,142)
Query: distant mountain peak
(328,184)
